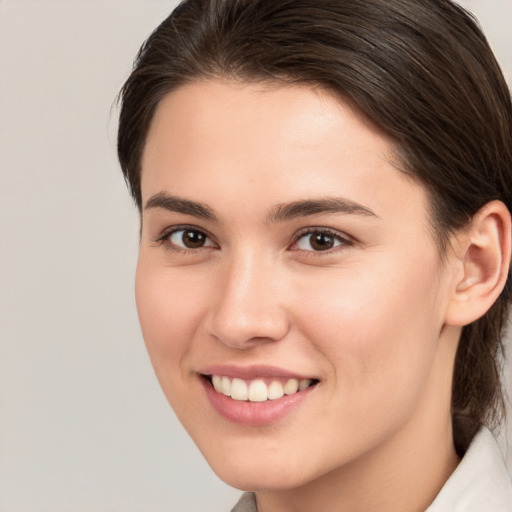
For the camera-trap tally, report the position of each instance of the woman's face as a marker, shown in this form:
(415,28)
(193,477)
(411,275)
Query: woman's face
(281,248)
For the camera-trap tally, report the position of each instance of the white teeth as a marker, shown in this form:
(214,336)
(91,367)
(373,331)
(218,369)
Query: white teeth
(226,386)
(257,390)
(304,383)
(217,383)
(239,389)
(275,390)
(291,386)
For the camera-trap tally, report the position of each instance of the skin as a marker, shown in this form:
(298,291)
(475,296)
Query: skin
(367,318)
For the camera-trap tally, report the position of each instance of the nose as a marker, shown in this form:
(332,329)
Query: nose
(248,307)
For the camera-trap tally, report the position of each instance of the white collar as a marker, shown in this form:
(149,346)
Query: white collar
(481,481)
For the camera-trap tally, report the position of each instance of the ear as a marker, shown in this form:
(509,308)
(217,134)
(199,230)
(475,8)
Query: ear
(483,261)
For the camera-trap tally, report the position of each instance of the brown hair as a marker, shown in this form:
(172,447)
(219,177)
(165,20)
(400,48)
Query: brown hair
(419,69)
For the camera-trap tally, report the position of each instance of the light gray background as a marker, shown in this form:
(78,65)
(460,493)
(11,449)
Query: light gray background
(83,424)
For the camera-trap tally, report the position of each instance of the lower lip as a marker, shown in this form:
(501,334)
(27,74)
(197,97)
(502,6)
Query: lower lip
(254,413)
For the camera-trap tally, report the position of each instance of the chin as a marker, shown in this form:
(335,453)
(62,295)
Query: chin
(251,471)
(256,479)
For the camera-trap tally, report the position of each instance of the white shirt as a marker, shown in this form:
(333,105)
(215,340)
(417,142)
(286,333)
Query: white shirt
(480,483)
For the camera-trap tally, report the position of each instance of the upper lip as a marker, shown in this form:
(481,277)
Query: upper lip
(252,372)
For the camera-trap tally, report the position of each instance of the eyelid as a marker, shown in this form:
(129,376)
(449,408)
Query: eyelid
(164,238)
(346,240)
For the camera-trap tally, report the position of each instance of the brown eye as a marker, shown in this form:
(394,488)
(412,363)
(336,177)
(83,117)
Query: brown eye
(190,239)
(319,241)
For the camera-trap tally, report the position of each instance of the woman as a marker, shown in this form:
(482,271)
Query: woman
(325,190)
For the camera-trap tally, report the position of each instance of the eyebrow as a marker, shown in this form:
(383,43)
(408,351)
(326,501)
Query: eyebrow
(309,207)
(179,205)
(280,213)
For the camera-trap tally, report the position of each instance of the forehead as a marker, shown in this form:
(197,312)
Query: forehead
(225,140)
(241,112)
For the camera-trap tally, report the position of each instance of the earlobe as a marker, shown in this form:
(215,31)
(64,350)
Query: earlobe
(484,260)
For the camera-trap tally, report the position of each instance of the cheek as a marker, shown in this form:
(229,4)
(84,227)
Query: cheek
(169,313)
(377,330)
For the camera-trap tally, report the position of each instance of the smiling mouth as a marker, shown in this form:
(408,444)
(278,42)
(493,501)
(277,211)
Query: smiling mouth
(258,390)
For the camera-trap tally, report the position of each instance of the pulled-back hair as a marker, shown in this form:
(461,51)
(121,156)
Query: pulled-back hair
(421,70)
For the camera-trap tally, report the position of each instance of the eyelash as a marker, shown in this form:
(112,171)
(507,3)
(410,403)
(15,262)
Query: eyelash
(166,235)
(341,240)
